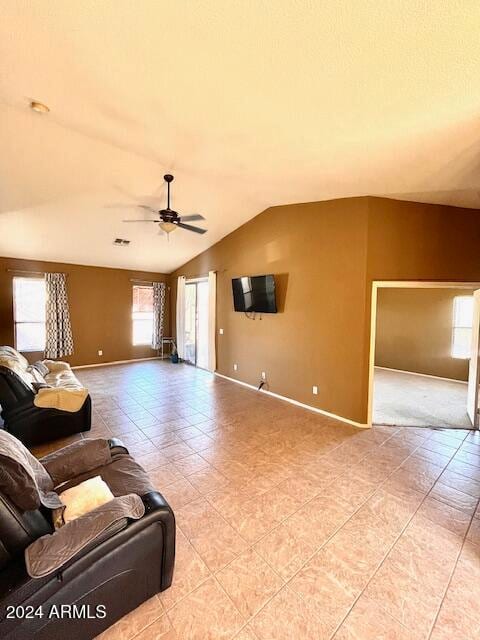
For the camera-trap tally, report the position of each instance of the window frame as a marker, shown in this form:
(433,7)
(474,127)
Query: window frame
(17,322)
(455,327)
(140,344)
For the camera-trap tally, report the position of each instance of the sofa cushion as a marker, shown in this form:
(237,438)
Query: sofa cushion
(77,458)
(65,380)
(14,365)
(41,367)
(123,475)
(36,375)
(56,365)
(62,377)
(13,354)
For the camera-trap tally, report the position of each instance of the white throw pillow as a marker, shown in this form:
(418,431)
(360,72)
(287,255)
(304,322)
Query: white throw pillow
(84,497)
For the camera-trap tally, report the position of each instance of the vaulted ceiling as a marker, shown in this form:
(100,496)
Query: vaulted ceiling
(250,104)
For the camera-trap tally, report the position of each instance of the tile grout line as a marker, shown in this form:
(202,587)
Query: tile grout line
(251,547)
(345,473)
(393,544)
(385,558)
(452,572)
(285,585)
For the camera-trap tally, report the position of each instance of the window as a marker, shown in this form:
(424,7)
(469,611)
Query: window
(142,315)
(29,313)
(462,326)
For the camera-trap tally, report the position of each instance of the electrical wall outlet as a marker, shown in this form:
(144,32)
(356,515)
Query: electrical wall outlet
(100,352)
(235,366)
(315,390)
(264,375)
(220,331)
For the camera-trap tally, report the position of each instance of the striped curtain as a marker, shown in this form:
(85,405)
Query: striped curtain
(59,340)
(158,314)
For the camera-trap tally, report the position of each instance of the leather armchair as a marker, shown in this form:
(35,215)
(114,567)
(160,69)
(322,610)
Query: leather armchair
(129,563)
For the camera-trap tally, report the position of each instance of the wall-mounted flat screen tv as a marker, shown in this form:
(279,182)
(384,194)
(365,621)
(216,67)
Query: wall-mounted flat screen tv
(254,293)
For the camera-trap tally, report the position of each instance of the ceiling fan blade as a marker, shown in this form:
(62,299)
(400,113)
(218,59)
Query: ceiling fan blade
(189,227)
(140,220)
(195,216)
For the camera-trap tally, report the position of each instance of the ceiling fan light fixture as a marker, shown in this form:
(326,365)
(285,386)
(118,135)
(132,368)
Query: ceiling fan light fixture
(168,227)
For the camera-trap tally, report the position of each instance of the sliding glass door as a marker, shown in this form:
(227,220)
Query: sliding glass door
(190,322)
(196,323)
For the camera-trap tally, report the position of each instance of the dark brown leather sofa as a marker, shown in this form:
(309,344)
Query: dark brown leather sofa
(124,566)
(33,425)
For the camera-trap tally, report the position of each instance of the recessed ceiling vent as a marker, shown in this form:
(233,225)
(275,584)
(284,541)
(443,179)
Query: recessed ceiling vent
(120,242)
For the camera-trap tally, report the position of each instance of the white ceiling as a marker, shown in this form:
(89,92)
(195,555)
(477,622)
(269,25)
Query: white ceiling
(250,104)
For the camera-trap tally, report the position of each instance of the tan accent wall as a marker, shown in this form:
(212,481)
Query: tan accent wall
(325,256)
(416,241)
(100,307)
(317,253)
(414,332)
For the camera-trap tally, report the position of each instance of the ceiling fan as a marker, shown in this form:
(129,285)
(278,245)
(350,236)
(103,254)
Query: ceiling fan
(169,219)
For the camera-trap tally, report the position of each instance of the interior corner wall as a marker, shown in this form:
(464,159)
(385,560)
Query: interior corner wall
(325,256)
(317,252)
(412,241)
(100,302)
(414,331)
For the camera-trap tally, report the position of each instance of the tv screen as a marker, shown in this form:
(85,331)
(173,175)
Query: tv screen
(254,293)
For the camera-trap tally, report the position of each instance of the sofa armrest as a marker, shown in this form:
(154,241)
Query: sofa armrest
(157,510)
(124,516)
(77,458)
(51,552)
(117,447)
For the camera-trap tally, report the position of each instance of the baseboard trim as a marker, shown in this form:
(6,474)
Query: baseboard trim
(422,375)
(107,364)
(296,402)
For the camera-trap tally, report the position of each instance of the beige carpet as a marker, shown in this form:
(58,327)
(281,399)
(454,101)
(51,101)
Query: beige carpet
(406,400)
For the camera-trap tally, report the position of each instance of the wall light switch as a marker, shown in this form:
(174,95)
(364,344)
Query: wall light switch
(264,375)
(220,331)
(235,366)
(100,352)
(315,390)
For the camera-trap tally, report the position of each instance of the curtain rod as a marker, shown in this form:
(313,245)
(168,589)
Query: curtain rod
(33,273)
(201,276)
(149,282)
(28,273)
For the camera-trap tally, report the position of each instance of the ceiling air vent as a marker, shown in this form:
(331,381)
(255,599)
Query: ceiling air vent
(120,242)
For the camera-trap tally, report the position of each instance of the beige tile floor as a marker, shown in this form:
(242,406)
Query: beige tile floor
(292,525)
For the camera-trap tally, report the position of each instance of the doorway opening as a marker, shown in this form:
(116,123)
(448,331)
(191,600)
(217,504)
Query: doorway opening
(424,354)
(196,322)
